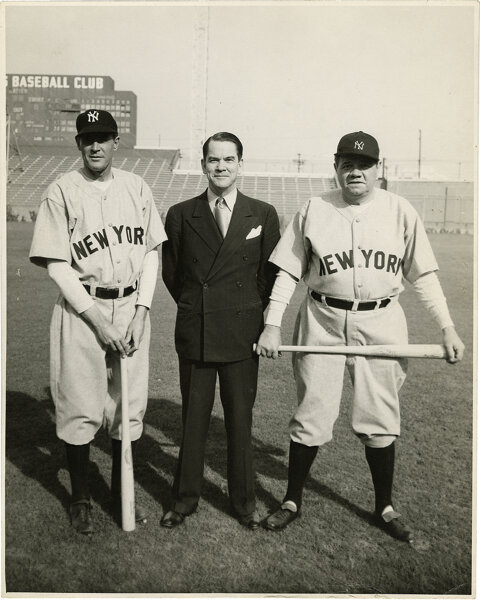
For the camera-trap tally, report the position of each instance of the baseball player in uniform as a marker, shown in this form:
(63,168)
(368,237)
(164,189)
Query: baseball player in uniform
(352,247)
(97,233)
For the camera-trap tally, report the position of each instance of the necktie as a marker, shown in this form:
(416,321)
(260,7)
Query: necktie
(221,215)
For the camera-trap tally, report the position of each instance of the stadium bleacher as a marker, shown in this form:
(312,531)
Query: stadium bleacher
(28,178)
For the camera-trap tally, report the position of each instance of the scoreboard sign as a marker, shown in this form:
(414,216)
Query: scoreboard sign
(42,107)
(74,82)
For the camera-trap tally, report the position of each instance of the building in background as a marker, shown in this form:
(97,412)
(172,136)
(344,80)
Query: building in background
(42,109)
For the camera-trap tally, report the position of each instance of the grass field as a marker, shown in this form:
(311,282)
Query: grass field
(332,549)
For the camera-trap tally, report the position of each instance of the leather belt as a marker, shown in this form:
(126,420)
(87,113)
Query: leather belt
(111,293)
(350,304)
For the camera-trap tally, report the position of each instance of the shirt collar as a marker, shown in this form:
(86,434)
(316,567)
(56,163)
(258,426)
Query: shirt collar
(230,198)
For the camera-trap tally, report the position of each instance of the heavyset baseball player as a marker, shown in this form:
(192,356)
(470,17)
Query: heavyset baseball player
(97,233)
(352,247)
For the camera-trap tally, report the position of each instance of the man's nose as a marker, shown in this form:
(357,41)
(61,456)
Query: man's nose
(221,165)
(95,146)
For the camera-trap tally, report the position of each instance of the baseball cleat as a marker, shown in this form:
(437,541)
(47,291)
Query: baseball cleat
(140,515)
(391,524)
(80,516)
(280,519)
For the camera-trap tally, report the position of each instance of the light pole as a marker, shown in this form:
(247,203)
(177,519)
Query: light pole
(419,153)
(299,162)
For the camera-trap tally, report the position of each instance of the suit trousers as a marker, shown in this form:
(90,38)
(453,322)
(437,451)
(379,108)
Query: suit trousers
(238,388)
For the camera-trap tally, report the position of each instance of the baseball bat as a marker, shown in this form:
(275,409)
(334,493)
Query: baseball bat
(383,350)
(127,482)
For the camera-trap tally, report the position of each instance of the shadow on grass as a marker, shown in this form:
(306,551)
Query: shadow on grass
(32,446)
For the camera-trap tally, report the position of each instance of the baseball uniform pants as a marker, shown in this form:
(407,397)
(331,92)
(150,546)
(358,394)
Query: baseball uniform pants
(85,378)
(319,378)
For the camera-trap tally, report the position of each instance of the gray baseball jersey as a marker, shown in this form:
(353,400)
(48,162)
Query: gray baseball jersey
(104,236)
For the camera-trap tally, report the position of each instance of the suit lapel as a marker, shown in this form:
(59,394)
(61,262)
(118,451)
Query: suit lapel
(203,223)
(240,225)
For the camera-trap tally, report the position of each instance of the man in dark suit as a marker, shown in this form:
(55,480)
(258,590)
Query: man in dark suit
(215,267)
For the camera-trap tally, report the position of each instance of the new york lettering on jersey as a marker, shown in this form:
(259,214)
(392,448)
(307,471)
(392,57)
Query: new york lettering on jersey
(371,259)
(333,249)
(99,240)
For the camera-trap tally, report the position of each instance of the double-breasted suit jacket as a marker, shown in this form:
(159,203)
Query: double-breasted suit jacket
(221,286)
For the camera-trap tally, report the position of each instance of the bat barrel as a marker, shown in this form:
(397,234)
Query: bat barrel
(381,350)
(127,479)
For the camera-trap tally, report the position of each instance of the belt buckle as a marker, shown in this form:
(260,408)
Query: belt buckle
(355,304)
(378,302)
(91,289)
(121,291)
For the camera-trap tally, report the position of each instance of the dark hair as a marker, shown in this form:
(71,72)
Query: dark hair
(223,136)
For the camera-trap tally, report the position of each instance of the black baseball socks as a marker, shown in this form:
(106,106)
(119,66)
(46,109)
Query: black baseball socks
(78,458)
(381,462)
(300,460)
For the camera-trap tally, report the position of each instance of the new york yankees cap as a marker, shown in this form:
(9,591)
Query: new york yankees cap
(358,143)
(96,121)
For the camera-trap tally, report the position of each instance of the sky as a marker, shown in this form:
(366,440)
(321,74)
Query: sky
(287,78)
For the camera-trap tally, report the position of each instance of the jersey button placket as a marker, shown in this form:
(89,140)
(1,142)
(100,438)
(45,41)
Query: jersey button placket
(115,256)
(356,254)
(112,242)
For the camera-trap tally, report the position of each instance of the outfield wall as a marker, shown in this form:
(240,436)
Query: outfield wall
(443,205)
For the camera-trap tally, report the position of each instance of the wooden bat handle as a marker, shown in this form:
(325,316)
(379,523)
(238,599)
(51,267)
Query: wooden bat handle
(127,480)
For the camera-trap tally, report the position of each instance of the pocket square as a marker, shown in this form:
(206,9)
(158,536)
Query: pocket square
(255,232)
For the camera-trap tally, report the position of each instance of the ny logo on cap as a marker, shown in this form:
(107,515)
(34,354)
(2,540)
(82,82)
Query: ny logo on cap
(359,145)
(92,116)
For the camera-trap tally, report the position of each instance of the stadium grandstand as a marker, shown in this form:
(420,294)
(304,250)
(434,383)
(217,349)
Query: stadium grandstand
(41,113)
(444,206)
(29,176)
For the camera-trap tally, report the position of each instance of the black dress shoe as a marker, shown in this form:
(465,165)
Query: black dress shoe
(280,519)
(251,521)
(80,516)
(394,527)
(172,519)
